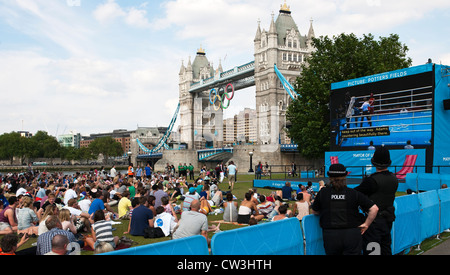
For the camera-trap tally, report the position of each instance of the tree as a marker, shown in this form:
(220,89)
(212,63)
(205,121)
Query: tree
(341,58)
(106,146)
(12,145)
(44,146)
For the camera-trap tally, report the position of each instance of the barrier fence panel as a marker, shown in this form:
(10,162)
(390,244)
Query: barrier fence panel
(282,237)
(406,228)
(313,235)
(445,179)
(428,181)
(444,197)
(429,214)
(195,245)
(411,181)
(418,217)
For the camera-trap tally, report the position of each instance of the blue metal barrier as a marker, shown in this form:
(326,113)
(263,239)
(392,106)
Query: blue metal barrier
(313,235)
(418,217)
(444,200)
(282,237)
(406,228)
(429,214)
(428,181)
(195,245)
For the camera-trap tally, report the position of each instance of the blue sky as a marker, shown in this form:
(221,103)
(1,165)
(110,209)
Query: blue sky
(93,66)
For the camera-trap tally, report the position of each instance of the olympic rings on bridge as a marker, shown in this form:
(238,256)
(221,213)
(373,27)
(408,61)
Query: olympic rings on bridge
(220,97)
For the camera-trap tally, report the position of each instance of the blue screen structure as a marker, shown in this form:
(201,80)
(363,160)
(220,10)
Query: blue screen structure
(389,108)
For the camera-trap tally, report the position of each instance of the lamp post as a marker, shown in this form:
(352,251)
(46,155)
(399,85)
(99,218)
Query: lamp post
(251,162)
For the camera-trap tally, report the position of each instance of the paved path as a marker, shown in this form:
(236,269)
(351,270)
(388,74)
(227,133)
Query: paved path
(441,249)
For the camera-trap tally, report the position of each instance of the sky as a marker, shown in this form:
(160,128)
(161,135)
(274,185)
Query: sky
(92,66)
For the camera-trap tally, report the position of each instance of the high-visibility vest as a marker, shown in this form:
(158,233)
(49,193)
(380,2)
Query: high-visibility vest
(130,171)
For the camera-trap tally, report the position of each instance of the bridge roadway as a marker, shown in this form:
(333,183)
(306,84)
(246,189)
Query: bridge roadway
(241,76)
(215,154)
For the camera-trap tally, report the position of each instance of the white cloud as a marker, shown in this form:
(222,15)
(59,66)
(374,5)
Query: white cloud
(114,64)
(111,11)
(361,17)
(108,12)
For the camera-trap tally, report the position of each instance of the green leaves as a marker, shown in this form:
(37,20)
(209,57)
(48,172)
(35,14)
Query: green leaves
(106,146)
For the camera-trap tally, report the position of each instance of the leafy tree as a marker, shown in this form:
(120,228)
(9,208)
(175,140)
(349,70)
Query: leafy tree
(12,145)
(83,153)
(44,146)
(106,146)
(336,59)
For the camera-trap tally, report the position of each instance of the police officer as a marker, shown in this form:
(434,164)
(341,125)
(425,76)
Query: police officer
(380,187)
(340,219)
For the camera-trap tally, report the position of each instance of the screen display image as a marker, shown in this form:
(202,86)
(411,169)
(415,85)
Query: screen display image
(390,108)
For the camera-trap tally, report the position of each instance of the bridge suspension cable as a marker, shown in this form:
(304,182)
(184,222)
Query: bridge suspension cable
(287,86)
(162,142)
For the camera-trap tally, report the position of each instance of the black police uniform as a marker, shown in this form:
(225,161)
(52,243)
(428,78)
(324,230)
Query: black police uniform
(340,218)
(380,187)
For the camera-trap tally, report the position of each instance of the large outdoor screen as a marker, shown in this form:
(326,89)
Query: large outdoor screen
(389,108)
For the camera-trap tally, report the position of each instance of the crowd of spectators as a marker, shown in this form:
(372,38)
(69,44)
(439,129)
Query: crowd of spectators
(61,210)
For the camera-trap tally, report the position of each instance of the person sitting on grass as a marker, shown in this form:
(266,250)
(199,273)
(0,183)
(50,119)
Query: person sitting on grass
(265,208)
(141,218)
(247,209)
(284,213)
(192,223)
(10,243)
(101,231)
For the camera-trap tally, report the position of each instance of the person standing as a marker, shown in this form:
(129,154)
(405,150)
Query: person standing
(408,145)
(190,170)
(380,187)
(113,172)
(130,171)
(366,113)
(138,173)
(148,171)
(340,219)
(232,171)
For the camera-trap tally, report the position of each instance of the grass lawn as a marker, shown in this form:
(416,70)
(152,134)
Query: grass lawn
(245,182)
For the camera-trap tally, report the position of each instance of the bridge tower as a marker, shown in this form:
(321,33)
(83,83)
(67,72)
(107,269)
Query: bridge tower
(284,46)
(200,125)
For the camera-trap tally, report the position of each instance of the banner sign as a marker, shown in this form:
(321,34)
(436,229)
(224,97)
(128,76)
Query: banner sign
(358,163)
(383,76)
(365,132)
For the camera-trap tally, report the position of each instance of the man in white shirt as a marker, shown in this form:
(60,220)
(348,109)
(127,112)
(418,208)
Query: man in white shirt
(232,171)
(165,221)
(365,108)
(113,172)
(70,194)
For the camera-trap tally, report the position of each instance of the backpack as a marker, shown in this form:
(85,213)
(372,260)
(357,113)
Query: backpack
(152,233)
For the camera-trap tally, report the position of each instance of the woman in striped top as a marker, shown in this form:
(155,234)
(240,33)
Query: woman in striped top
(101,231)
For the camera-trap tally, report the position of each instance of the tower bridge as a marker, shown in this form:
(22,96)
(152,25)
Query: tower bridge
(204,91)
